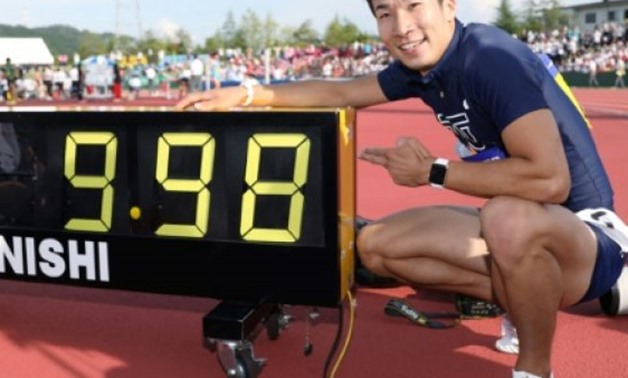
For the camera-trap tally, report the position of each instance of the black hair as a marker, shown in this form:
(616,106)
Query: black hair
(370,3)
(371,6)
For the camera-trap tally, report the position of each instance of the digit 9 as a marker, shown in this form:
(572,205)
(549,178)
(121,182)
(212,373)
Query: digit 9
(255,187)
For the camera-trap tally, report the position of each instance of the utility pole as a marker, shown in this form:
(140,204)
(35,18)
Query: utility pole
(127,19)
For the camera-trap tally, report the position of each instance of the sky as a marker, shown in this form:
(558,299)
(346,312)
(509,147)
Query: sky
(202,18)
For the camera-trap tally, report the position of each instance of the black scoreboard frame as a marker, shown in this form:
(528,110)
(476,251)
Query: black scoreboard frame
(308,260)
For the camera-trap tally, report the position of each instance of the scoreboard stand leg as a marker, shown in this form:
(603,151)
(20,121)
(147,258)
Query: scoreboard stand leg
(230,328)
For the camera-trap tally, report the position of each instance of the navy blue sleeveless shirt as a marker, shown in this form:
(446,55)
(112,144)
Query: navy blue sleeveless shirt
(487,79)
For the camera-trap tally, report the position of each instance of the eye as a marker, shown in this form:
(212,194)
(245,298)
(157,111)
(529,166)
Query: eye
(382,15)
(414,4)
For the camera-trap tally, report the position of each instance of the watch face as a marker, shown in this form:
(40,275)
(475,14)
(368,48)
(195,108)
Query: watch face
(226,205)
(437,173)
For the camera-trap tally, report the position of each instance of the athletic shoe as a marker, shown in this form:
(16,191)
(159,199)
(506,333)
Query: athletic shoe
(509,342)
(523,374)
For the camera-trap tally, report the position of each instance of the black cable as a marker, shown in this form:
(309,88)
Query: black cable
(334,346)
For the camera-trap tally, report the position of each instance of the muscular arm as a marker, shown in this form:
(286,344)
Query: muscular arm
(536,168)
(360,92)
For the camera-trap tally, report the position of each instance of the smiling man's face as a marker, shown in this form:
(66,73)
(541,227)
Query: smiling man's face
(416,32)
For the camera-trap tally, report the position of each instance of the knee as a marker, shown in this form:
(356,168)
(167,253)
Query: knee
(370,247)
(510,226)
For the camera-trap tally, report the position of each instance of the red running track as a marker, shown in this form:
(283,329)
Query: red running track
(62,332)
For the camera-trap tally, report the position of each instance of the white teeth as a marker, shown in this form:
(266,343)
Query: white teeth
(408,46)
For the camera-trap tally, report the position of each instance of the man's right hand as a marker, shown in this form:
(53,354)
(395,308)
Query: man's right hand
(217,99)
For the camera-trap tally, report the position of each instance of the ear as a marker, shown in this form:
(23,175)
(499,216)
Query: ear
(449,7)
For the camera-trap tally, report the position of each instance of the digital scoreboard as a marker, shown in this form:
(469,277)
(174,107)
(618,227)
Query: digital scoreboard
(236,205)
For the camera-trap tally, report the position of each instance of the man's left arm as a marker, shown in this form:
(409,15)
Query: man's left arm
(536,167)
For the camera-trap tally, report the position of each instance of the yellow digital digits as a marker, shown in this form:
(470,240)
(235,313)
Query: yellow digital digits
(109,140)
(257,142)
(256,187)
(208,147)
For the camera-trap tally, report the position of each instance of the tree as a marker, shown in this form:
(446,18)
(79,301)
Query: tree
(544,15)
(271,31)
(303,35)
(340,33)
(92,44)
(506,18)
(532,19)
(229,30)
(125,44)
(252,31)
(553,15)
(150,44)
(180,43)
(214,43)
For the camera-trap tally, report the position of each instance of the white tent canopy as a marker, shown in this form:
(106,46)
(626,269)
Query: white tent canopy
(25,51)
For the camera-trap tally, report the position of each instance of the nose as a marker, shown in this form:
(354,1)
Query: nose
(403,23)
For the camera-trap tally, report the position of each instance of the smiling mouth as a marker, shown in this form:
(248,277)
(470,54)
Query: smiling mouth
(409,46)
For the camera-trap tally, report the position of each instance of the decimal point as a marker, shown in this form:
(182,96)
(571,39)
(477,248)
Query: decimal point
(135,213)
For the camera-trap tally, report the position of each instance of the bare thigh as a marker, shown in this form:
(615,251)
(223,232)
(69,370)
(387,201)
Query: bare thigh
(447,233)
(573,245)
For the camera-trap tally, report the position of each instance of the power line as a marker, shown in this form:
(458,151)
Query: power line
(126,20)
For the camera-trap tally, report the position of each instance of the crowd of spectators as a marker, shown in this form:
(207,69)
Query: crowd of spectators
(603,49)
(42,82)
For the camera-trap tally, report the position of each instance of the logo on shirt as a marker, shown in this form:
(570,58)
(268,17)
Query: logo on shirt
(460,125)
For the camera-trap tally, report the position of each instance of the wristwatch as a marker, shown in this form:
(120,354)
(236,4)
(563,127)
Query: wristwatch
(438,173)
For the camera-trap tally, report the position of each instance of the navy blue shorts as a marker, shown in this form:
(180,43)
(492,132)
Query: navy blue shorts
(608,265)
